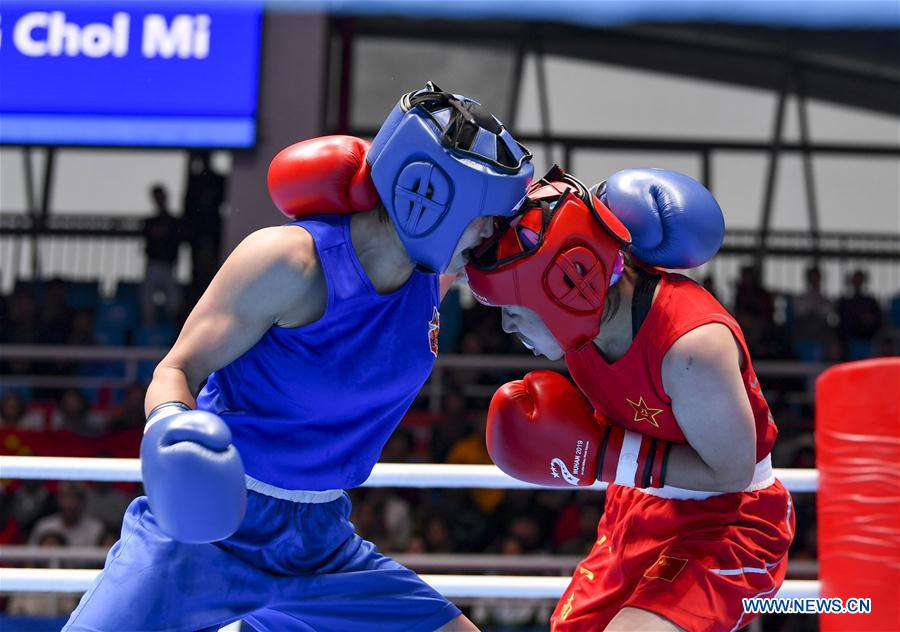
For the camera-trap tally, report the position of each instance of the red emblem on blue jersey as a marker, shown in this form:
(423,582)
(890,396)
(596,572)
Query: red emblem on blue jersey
(434,328)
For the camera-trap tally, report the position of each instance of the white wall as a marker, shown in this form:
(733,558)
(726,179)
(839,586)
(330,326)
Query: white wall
(854,193)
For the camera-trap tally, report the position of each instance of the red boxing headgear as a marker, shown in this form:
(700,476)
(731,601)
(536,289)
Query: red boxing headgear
(557,258)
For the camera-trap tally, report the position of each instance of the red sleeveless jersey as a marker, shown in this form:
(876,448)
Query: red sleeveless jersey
(629,391)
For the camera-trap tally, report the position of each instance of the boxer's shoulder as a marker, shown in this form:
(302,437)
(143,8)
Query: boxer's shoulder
(290,246)
(280,253)
(276,270)
(709,346)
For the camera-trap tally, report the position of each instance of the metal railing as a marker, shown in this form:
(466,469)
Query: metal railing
(130,358)
(109,248)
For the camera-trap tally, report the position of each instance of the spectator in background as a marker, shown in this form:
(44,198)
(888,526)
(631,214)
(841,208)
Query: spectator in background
(588,517)
(385,517)
(471,450)
(10,533)
(77,526)
(887,344)
(397,521)
(24,320)
(107,503)
(108,539)
(813,318)
(44,604)
(31,501)
(131,414)
(55,313)
(754,308)
(74,415)
(483,332)
(22,328)
(14,413)
(82,328)
(510,613)
(4,314)
(517,503)
(162,237)
(751,299)
(468,523)
(894,312)
(859,317)
(450,427)
(202,203)
(451,321)
(416,545)
(400,448)
(437,536)
(526,530)
(368,518)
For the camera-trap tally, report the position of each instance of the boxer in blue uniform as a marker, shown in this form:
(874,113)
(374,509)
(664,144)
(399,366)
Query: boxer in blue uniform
(314,338)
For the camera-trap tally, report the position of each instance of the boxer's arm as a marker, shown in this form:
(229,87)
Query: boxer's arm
(701,373)
(267,276)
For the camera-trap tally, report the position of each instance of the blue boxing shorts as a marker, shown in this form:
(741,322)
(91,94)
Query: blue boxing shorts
(290,566)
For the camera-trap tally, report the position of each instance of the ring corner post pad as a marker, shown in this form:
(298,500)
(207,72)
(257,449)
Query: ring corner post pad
(858,504)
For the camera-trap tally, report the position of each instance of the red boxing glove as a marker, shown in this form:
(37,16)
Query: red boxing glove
(323,176)
(542,430)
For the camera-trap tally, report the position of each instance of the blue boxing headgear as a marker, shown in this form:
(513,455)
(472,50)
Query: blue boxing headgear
(438,162)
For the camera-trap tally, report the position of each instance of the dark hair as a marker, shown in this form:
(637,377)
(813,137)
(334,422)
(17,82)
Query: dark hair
(614,295)
(383,216)
(611,303)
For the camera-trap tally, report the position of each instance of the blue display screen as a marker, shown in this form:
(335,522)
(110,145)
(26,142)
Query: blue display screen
(138,73)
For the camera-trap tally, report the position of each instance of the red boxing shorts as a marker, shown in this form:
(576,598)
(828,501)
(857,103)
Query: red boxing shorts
(689,561)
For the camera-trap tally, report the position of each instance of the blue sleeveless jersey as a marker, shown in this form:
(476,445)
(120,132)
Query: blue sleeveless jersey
(312,407)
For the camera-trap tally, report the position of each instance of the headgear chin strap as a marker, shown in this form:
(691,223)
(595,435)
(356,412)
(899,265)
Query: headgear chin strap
(564,274)
(438,162)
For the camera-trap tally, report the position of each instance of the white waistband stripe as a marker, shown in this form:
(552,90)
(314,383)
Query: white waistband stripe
(293,495)
(738,571)
(763,477)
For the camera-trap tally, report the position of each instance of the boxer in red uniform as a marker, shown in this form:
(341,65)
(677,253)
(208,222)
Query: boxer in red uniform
(667,409)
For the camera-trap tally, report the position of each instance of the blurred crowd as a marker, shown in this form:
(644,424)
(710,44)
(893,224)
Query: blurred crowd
(809,326)
(815,327)
(101,421)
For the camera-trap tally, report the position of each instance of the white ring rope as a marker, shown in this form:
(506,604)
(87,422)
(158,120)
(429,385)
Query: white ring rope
(451,586)
(384,475)
(427,475)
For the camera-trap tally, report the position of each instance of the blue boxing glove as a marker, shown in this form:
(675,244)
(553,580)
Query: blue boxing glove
(193,476)
(675,222)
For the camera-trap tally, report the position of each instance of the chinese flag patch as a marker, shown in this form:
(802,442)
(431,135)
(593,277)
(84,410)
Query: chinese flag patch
(666,567)
(434,328)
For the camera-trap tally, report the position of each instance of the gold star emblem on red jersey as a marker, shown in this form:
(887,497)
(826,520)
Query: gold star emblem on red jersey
(642,412)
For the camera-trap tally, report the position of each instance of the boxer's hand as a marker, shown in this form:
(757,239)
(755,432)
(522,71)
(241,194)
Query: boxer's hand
(322,176)
(193,476)
(675,222)
(541,430)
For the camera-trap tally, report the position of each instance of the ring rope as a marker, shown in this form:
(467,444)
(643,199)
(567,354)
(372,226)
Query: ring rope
(425,475)
(451,586)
